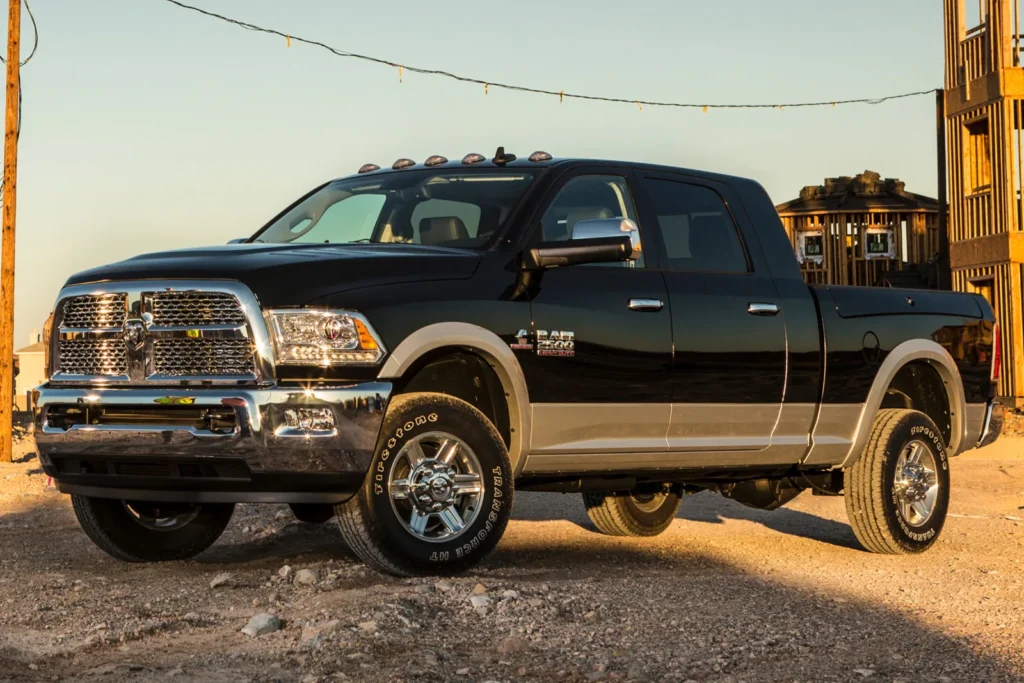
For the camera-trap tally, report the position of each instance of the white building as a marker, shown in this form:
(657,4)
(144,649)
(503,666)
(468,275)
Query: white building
(31,361)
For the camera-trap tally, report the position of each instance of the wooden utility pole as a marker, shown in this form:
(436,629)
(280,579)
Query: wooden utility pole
(7,248)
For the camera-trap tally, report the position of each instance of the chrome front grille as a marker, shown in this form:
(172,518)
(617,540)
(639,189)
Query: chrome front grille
(195,309)
(206,357)
(152,332)
(96,311)
(106,357)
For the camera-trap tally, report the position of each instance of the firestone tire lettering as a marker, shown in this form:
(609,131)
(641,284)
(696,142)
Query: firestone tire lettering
(872,504)
(369,521)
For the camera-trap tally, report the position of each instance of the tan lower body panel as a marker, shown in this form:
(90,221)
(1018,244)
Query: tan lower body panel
(834,433)
(581,438)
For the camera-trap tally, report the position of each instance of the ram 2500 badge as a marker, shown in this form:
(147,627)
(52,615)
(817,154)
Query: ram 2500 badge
(405,347)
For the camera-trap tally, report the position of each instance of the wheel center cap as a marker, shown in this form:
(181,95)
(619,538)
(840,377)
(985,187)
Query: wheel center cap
(440,487)
(915,482)
(434,486)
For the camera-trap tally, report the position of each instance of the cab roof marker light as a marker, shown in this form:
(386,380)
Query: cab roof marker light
(403,163)
(540,156)
(369,168)
(473,158)
(435,160)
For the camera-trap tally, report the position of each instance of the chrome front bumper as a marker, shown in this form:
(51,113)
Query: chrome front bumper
(260,442)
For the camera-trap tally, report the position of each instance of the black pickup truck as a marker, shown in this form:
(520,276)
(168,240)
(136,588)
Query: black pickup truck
(405,347)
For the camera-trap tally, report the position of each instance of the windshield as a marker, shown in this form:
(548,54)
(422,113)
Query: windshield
(436,209)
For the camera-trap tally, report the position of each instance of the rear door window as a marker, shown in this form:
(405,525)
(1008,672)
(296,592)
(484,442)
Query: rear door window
(697,229)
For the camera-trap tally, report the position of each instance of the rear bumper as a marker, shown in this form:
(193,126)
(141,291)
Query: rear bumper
(259,459)
(993,423)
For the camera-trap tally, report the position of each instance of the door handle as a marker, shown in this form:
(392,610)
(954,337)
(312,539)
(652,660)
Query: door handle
(646,305)
(762,309)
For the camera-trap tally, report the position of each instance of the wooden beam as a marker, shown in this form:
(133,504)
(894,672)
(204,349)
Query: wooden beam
(944,272)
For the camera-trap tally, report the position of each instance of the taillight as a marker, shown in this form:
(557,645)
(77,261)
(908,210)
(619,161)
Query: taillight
(997,352)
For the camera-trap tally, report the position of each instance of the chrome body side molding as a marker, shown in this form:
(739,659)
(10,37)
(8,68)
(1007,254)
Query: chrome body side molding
(494,351)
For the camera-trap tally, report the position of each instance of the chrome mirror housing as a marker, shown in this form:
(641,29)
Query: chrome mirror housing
(598,228)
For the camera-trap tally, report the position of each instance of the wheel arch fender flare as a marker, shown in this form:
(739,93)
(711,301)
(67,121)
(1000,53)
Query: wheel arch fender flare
(938,358)
(495,351)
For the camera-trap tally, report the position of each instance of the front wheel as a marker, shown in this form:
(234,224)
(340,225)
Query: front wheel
(631,514)
(438,494)
(897,493)
(136,531)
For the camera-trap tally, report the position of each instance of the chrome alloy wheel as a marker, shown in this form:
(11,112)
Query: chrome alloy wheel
(161,516)
(436,486)
(916,485)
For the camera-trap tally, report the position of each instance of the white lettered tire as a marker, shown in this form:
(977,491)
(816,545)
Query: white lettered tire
(897,493)
(439,491)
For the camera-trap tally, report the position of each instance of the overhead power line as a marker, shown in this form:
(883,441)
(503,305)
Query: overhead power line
(560,94)
(35,37)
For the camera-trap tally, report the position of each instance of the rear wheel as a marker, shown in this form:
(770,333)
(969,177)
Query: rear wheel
(897,493)
(632,514)
(439,491)
(136,531)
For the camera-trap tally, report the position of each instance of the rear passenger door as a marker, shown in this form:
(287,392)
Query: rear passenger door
(728,331)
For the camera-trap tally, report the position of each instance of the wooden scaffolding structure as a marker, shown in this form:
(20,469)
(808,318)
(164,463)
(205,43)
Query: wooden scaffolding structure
(984,106)
(863,230)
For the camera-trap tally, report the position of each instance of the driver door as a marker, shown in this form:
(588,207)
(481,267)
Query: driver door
(605,390)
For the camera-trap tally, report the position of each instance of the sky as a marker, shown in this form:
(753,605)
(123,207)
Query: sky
(148,127)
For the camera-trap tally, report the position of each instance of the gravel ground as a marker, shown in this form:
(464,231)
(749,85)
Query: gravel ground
(727,594)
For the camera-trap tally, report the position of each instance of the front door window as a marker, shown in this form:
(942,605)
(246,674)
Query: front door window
(586,198)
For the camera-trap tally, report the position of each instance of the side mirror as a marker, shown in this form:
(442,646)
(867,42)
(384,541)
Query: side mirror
(574,252)
(239,240)
(598,228)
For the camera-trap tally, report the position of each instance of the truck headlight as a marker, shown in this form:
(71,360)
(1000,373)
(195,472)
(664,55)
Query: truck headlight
(311,337)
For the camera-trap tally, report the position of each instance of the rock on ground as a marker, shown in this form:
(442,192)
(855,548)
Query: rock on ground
(262,624)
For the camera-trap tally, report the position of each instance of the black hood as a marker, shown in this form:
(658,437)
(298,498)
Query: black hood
(294,275)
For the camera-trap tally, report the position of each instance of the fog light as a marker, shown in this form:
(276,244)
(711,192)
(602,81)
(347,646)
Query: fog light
(311,421)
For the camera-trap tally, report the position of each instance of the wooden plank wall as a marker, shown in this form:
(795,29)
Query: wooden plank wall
(971,51)
(1006,279)
(843,265)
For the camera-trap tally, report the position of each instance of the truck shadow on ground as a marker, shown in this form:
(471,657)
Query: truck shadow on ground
(707,508)
(713,509)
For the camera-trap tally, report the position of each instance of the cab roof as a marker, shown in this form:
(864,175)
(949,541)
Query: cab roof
(523,162)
